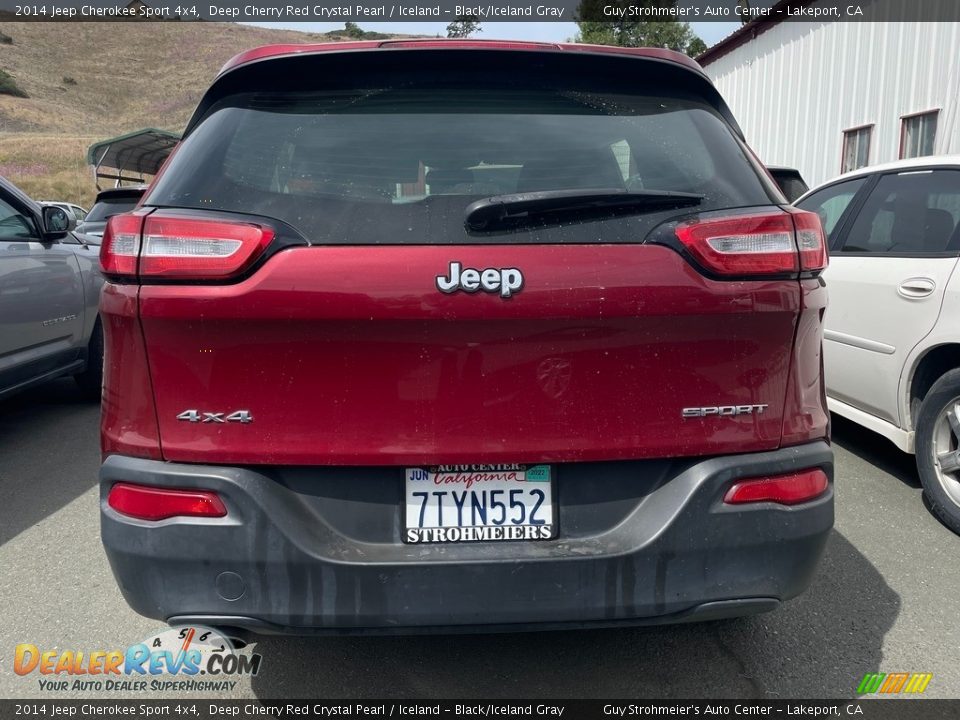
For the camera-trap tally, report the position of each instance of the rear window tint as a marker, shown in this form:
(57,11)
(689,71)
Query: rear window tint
(401,165)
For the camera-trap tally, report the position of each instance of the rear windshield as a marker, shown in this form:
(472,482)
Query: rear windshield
(401,165)
(108,207)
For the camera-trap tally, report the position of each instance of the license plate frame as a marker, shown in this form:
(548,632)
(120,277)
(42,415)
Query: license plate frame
(424,521)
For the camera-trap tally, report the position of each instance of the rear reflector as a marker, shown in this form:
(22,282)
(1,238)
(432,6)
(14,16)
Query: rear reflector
(783,489)
(152,503)
(761,244)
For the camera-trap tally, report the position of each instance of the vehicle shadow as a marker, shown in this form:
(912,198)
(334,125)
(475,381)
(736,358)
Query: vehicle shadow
(819,645)
(39,428)
(875,450)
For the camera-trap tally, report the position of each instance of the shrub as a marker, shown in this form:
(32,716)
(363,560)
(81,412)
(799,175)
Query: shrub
(8,86)
(67,80)
(5,39)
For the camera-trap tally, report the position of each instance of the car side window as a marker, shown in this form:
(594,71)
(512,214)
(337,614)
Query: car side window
(14,225)
(831,203)
(909,213)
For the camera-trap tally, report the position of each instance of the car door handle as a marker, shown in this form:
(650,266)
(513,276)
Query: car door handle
(918,287)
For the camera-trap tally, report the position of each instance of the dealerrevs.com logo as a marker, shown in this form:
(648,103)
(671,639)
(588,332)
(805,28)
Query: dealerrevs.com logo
(189,658)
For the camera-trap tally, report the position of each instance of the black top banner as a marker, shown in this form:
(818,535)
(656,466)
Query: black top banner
(613,11)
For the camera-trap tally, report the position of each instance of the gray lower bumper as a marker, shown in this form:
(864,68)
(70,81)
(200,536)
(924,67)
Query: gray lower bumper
(318,549)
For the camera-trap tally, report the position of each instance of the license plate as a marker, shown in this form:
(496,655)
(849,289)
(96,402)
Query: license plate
(479,503)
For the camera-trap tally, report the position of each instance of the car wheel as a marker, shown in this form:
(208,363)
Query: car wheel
(91,379)
(938,448)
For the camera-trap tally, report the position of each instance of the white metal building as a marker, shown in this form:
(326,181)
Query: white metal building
(829,97)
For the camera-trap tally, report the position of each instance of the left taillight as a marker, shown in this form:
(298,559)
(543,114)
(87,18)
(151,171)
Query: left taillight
(120,246)
(153,503)
(180,248)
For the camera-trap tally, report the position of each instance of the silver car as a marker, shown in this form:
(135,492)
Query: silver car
(78,212)
(49,289)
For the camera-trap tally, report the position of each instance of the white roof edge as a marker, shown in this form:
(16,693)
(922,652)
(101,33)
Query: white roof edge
(917,163)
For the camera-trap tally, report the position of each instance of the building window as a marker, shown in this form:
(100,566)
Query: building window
(856,148)
(917,134)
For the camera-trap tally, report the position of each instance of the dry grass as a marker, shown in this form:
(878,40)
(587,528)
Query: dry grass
(49,167)
(129,75)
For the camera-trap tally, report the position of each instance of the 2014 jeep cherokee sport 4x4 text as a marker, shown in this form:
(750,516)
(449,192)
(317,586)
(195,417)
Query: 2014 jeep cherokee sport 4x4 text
(429,334)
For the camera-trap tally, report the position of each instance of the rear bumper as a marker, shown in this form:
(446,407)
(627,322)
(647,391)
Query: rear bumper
(306,550)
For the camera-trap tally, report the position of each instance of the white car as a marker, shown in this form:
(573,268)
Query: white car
(892,328)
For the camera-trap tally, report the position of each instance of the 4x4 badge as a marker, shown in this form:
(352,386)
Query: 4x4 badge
(240,416)
(505,280)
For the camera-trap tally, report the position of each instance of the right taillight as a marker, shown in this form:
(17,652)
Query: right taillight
(769,243)
(180,248)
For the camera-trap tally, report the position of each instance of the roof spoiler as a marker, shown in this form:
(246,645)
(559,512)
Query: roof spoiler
(241,74)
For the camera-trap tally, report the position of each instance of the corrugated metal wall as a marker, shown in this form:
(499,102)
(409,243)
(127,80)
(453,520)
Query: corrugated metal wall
(797,87)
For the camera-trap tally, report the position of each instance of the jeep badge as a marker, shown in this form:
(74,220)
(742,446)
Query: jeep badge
(505,280)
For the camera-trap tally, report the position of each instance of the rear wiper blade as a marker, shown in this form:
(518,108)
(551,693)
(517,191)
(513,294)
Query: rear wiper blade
(519,209)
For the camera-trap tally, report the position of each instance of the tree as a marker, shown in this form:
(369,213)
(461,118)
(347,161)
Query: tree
(696,46)
(464,26)
(627,26)
(353,30)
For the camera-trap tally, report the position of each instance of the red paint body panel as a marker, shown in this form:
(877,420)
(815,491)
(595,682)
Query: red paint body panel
(805,415)
(128,418)
(268,51)
(351,356)
(272,51)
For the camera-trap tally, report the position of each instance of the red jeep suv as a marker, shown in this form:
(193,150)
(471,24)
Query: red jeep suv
(425,334)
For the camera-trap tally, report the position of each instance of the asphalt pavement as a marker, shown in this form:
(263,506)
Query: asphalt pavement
(886,598)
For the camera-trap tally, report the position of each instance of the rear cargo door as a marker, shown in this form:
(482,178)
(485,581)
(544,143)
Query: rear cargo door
(385,331)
